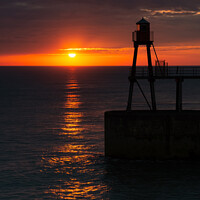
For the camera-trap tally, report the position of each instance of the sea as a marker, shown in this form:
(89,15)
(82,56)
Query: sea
(52,136)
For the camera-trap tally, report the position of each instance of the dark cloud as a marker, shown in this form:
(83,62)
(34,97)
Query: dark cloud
(31,26)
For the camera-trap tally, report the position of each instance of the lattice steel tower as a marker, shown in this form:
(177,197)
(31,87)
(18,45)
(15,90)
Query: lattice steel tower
(143,36)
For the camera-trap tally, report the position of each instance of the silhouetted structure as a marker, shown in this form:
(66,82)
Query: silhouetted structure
(142,36)
(164,134)
(161,63)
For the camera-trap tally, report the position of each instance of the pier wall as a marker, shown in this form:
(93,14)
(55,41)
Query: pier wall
(152,135)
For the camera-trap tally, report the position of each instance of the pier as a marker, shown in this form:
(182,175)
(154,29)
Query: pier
(153,134)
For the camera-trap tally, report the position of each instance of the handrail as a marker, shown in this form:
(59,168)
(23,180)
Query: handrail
(169,71)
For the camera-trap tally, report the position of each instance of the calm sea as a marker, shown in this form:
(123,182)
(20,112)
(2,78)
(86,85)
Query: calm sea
(52,137)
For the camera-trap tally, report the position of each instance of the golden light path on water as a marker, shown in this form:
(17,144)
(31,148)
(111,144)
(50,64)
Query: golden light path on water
(73,118)
(76,161)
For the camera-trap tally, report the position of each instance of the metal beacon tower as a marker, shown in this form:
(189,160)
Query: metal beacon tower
(143,36)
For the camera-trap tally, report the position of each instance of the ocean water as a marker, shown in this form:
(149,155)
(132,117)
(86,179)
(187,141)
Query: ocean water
(52,137)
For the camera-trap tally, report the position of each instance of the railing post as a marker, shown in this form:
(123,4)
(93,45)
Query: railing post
(151,78)
(132,78)
(179,93)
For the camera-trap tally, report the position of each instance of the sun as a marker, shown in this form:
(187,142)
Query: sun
(71,55)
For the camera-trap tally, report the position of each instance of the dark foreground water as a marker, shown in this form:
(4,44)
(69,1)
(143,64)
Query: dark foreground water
(52,137)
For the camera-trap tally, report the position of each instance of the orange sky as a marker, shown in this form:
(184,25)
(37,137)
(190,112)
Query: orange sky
(174,55)
(43,33)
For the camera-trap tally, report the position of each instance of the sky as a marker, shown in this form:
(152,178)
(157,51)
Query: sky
(44,32)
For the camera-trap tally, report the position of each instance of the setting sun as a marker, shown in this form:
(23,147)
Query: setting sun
(71,55)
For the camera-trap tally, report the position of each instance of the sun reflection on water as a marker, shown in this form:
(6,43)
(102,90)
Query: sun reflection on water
(72,117)
(73,163)
(79,190)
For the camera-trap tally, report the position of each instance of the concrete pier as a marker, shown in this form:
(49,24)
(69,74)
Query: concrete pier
(159,135)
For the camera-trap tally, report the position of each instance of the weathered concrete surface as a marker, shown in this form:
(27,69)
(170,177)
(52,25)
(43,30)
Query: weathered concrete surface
(156,135)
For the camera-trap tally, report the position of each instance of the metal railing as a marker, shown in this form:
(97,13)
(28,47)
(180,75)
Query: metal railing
(169,71)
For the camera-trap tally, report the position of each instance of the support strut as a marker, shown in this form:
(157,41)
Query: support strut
(151,79)
(132,78)
(179,94)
